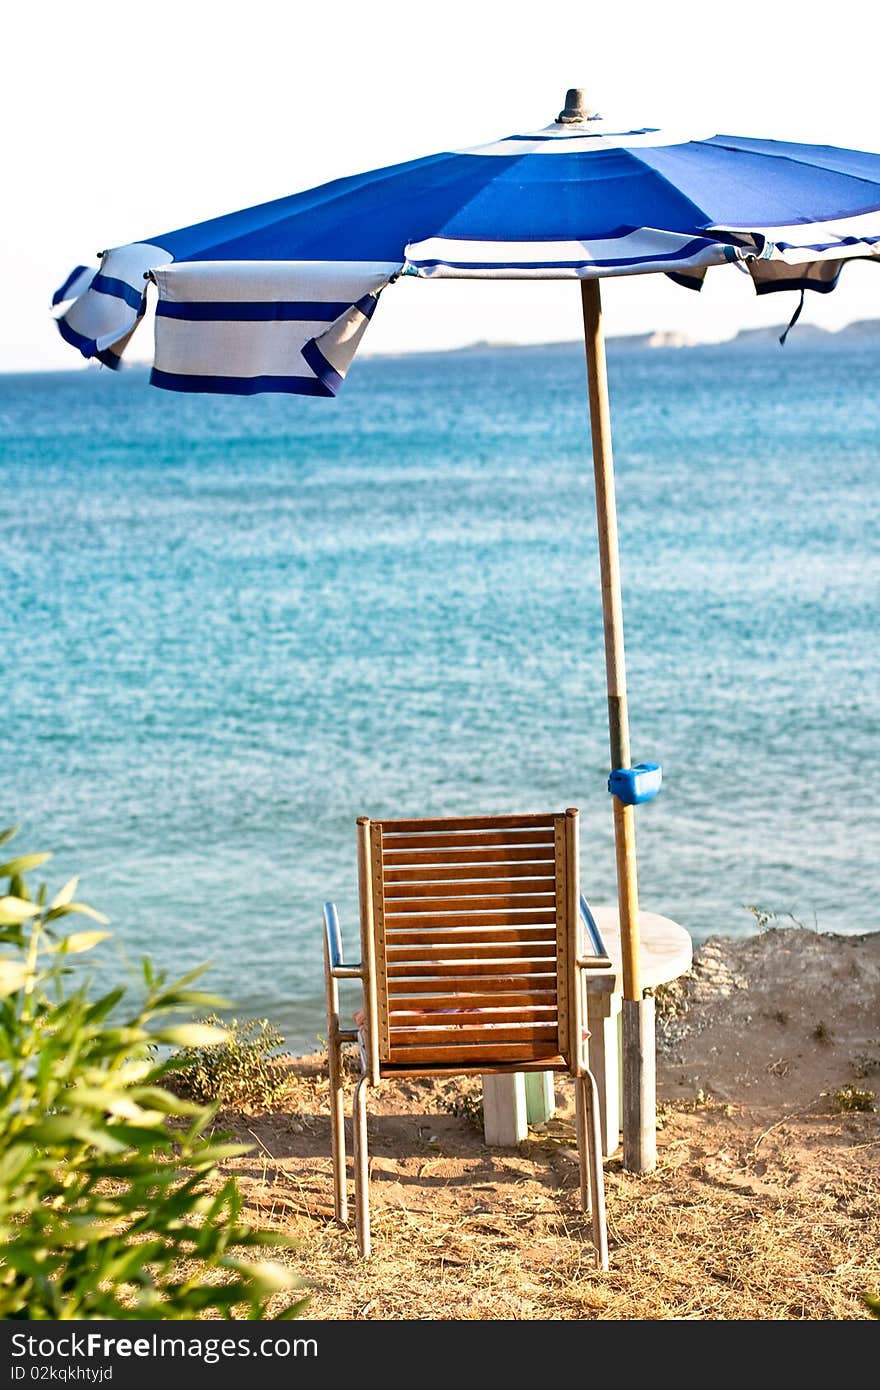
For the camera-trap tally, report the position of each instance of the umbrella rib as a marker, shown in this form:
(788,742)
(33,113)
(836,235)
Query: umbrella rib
(718,142)
(806,164)
(441,231)
(637,158)
(792,218)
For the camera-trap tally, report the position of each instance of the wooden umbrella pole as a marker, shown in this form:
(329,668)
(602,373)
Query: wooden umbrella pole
(639,1103)
(612,613)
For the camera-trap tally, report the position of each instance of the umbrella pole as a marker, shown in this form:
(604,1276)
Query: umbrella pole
(639,1098)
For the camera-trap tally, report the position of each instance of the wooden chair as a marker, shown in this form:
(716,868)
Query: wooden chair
(474,954)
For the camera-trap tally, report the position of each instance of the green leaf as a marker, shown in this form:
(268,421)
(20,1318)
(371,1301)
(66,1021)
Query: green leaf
(294,1311)
(184,980)
(219,1153)
(13,974)
(265,1274)
(19,889)
(117,1103)
(187,1002)
(166,1101)
(65,894)
(193,1035)
(59,1128)
(26,1262)
(14,911)
(81,909)
(130,1073)
(142,1136)
(80,1231)
(80,941)
(7,834)
(22,864)
(103,1006)
(130,1263)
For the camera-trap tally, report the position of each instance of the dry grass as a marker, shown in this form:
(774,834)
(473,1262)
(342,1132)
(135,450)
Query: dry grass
(765,1203)
(746,1217)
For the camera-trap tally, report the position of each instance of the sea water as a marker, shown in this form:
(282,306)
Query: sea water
(230,626)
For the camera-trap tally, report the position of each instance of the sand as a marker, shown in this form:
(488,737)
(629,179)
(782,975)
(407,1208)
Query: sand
(764,1203)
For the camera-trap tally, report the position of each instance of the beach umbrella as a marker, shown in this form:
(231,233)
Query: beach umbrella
(278,297)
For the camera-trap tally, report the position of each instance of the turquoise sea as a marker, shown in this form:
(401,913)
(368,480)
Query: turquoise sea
(231,626)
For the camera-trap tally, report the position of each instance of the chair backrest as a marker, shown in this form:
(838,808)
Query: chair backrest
(469,933)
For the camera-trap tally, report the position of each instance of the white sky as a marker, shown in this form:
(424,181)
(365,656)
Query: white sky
(127,120)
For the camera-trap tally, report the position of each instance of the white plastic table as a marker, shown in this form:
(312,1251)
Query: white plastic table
(512,1100)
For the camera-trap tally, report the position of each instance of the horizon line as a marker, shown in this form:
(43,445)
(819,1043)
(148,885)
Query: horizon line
(679,341)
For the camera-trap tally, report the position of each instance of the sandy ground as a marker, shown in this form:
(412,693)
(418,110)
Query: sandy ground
(764,1203)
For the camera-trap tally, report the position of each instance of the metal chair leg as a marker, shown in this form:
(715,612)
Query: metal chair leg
(590,1105)
(361,1168)
(332,960)
(337,1127)
(583,1150)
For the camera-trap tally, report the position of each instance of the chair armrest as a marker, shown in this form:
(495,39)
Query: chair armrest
(597,957)
(333,937)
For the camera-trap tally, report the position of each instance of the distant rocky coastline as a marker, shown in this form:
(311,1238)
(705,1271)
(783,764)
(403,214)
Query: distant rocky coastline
(863,332)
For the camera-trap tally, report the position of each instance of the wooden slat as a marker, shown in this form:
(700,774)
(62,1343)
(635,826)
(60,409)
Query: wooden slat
(466,906)
(489,1035)
(494,1067)
(507,999)
(448,936)
(570,982)
(535,916)
(499,887)
(379,930)
(436,875)
(464,841)
(442,824)
(474,1055)
(375,1011)
(562,936)
(472,1018)
(536,984)
(497,854)
(483,950)
(441,969)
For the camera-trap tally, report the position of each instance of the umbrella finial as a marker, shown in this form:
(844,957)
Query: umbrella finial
(576,108)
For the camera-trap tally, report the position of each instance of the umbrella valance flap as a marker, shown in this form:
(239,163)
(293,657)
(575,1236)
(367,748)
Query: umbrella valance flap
(240,328)
(231,327)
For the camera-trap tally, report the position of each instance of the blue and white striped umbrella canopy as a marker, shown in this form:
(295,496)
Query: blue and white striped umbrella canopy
(277,297)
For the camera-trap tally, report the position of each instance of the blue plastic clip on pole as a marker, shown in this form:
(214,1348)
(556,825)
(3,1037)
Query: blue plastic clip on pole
(633,785)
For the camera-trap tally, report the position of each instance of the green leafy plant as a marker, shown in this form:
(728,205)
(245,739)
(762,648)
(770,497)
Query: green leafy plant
(852,1098)
(766,919)
(463,1097)
(111,1200)
(246,1069)
(670,999)
(867,1063)
(467,1105)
